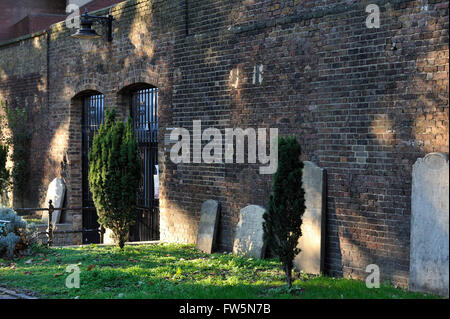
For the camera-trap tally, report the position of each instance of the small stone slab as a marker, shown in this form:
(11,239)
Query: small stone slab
(207,228)
(248,240)
(429,251)
(56,192)
(156,183)
(312,242)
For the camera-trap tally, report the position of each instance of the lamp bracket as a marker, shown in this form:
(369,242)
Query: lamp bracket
(104,20)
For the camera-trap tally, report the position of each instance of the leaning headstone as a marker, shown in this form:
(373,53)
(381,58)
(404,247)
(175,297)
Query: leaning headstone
(248,240)
(429,251)
(207,228)
(312,242)
(56,192)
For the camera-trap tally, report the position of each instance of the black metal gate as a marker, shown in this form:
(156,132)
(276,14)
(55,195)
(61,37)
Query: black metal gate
(93,114)
(144,110)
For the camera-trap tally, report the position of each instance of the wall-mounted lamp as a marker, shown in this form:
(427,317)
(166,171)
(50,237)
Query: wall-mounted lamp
(86,32)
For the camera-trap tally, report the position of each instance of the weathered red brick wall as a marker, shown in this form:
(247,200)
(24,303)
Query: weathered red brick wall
(364,103)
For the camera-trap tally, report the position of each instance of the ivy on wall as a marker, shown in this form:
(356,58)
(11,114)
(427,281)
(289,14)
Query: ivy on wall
(19,141)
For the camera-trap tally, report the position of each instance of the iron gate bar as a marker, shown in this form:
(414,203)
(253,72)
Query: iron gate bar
(145,125)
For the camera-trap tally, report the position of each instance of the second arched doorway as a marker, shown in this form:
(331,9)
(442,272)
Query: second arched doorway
(141,102)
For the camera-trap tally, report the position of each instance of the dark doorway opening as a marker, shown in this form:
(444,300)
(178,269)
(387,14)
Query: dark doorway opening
(93,115)
(144,112)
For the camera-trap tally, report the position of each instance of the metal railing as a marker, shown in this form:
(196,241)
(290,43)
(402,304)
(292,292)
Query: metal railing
(51,209)
(149,225)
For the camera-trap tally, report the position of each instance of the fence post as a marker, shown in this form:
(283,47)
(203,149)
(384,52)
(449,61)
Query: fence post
(101,231)
(50,226)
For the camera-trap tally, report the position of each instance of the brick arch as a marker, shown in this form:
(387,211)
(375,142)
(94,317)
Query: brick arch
(95,84)
(87,91)
(123,96)
(150,78)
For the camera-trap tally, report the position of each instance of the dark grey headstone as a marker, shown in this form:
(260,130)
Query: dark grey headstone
(429,252)
(207,228)
(248,240)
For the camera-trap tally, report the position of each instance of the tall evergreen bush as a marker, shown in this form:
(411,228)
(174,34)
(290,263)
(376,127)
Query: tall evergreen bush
(114,175)
(283,219)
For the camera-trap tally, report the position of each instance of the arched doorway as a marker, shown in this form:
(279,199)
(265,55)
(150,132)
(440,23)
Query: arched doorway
(141,102)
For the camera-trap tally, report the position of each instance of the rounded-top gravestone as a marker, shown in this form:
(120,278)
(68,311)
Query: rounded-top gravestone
(248,240)
(429,253)
(56,192)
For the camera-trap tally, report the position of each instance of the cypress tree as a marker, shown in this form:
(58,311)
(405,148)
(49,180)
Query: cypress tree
(283,219)
(114,175)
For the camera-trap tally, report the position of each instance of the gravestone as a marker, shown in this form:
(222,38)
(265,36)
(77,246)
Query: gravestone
(108,237)
(207,228)
(312,242)
(429,251)
(56,192)
(248,240)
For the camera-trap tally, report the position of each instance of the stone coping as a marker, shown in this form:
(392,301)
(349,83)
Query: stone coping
(14,295)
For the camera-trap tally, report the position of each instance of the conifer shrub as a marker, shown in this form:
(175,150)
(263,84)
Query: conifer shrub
(114,175)
(283,218)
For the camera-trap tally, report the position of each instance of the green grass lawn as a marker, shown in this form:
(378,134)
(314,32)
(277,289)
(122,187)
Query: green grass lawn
(171,271)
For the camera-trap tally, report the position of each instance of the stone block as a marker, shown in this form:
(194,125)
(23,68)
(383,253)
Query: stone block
(207,228)
(312,242)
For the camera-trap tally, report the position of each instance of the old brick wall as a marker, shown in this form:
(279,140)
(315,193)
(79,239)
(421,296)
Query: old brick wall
(364,103)
(202,58)
(361,109)
(140,53)
(23,82)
